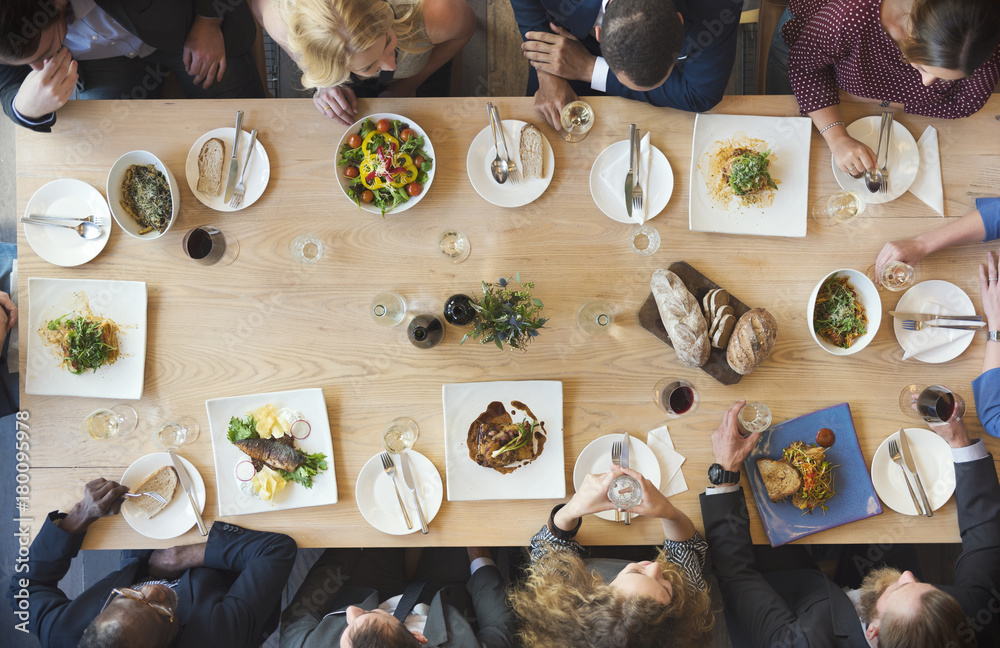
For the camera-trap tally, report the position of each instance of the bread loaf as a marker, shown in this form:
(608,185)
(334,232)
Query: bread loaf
(531,152)
(751,341)
(682,318)
(211,160)
(163,482)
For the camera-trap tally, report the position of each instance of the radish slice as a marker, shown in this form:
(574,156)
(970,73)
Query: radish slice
(300,429)
(245,471)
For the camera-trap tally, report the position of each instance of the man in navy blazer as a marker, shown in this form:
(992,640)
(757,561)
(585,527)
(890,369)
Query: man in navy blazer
(673,53)
(219,594)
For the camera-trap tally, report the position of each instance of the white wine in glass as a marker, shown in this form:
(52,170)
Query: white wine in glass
(839,208)
(400,435)
(577,118)
(106,423)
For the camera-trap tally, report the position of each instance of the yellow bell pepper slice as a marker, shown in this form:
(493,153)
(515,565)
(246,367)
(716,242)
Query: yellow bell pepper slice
(406,162)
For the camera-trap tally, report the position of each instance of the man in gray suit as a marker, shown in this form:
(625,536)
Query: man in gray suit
(363,597)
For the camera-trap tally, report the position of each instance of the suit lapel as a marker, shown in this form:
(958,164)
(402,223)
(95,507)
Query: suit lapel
(436,627)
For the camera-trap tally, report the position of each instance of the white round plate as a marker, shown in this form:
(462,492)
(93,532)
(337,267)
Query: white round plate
(114,189)
(904,160)
(377,499)
(177,517)
(612,203)
(867,293)
(596,459)
(67,197)
(954,300)
(354,129)
(932,458)
(481,156)
(255,181)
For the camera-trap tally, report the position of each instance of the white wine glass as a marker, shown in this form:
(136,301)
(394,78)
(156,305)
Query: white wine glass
(400,435)
(454,246)
(177,432)
(838,208)
(895,276)
(576,118)
(109,422)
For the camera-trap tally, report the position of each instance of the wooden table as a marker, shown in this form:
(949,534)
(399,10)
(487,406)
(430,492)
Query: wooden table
(266,324)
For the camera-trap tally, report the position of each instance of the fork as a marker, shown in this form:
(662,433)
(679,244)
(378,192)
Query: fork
(912,325)
(637,188)
(159,498)
(76,219)
(884,183)
(897,459)
(389,466)
(238,192)
(512,172)
(616,459)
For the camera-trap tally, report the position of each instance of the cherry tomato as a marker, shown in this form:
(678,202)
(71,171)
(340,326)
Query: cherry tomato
(407,134)
(354,141)
(414,189)
(367,196)
(418,161)
(383,125)
(351,172)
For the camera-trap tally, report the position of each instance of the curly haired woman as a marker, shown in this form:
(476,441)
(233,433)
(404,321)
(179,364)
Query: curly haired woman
(341,43)
(569,601)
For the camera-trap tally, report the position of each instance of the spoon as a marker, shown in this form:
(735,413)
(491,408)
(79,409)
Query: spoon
(78,219)
(873,179)
(499,166)
(85,229)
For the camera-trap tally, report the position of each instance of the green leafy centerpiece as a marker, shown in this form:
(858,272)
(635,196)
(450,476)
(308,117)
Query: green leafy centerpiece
(506,315)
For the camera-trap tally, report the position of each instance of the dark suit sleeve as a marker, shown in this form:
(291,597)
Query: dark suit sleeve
(530,16)
(263,561)
(763,616)
(489,598)
(11,77)
(699,81)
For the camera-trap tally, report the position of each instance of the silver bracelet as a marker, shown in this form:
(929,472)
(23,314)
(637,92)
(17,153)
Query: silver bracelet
(829,126)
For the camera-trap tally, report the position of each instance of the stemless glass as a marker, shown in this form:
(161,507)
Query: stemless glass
(625,492)
(306,249)
(401,434)
(754,417)
(177,432)
(594,318)
(645,239)
(838,208)
(209,245)
(675,396)
(577,118)
(388,308)
(895,276)
(106,423)
(934,404)
(454,246)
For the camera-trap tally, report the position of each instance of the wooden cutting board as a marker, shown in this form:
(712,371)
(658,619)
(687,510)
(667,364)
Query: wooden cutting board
(699,285)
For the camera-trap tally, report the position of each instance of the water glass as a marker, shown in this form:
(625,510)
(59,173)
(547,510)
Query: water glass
(675,396)
(577,118)
(307,249)
(839,208)
(177,432)
(645,239)
(400,435)
(454,246)
(594,318)
(388,308)
(625,492)
(209,245)
(934,404)
(106,423)
(754,417)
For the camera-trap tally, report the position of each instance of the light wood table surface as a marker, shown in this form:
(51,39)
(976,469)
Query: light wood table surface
(267,324)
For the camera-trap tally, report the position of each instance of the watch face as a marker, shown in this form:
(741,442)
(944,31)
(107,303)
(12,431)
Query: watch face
(715,474)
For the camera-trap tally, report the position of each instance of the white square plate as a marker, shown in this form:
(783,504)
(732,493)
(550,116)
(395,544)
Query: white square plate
(122,301)
(788,138)
(543,478)
(232,500)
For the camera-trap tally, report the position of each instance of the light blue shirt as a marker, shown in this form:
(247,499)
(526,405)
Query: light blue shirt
(986,391)
(93,34)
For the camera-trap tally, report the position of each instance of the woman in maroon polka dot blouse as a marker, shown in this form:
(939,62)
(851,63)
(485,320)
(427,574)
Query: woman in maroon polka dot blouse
(934,57)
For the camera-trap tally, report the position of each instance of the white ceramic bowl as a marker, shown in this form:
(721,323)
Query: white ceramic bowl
(114,187)
(428,148)
(870,299)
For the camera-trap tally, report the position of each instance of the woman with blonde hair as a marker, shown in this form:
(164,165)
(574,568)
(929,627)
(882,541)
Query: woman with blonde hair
(609,603)
(347,48)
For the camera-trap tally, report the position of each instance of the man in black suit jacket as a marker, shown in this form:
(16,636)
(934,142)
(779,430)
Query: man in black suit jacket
(219,594)
(115,49)
(802,608)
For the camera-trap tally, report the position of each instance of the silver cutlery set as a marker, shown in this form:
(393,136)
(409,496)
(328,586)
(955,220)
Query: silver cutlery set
(901,455)
(389,467)
(85,225)
(503,168)
(633,186)
(188,486)
(235,190)
(619,457)
(920,321)
(877,179)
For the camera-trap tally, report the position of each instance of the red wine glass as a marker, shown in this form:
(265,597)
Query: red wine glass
(934,404)
(675,396)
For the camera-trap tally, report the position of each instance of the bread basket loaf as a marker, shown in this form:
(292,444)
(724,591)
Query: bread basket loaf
(682,318)
(751,341)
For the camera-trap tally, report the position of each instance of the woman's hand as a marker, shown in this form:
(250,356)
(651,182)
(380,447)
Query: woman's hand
(990,289)
(338,103)
(908,251)
(653,503)
(592,496)
(852,156)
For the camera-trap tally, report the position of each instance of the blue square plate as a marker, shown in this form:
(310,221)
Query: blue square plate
(855,498)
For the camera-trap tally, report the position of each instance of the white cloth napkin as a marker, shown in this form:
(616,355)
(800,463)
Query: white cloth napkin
(614,172)
(927,185)
(931,338)
(672,479)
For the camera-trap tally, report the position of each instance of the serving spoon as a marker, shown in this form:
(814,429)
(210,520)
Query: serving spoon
(499,166)
(85,229)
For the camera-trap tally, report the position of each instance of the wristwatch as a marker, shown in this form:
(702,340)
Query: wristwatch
(994,336)
(718,475)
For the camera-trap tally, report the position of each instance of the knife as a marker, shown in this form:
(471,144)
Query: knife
(631,169)
(404,464)
(188,487)
(904,447)
(234,164)
(624,464)
(927,317)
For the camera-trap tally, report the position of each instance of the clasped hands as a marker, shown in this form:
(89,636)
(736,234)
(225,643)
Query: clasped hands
(559,58)
(592,496)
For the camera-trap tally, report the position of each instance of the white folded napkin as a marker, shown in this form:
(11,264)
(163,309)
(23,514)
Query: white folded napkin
(927,185)
(672,479)
(931,338)
(614,172)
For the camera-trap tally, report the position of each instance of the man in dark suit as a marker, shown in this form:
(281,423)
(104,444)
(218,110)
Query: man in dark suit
(674,53)
(362,597)
(119,49)
(223,593)
(797,606)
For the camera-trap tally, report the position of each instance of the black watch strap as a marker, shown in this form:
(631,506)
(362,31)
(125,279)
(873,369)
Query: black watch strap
(718,475)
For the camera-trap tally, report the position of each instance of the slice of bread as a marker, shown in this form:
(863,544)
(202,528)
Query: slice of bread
(723,331)
(531,152)
(211,161)
(164,482)
(780,478)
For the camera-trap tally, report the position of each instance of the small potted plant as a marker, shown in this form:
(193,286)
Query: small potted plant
(505,315)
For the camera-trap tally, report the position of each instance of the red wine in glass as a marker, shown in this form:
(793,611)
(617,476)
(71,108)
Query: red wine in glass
(681,399)
(675,397)
(937,404)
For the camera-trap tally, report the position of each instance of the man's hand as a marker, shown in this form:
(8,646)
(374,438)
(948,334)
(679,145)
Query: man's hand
(553,93)
(953,432)
(47,90)
(729,447)
(908,251)
(205,51)
(100,498)
(990,290)
(560,54)
(8,314)
(338,103)
(171,563)
(852,156)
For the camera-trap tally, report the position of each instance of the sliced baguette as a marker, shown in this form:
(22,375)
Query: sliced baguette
(211,161)
(780,478)
(164,482)
(531,152)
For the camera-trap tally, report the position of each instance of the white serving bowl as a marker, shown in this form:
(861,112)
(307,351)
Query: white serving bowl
(870,299)
(114,192)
